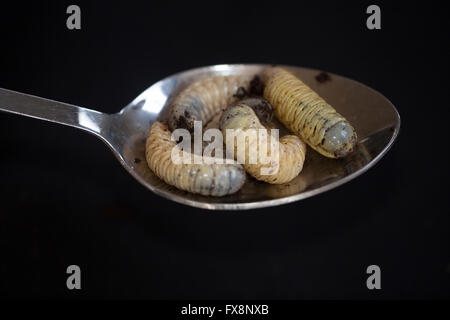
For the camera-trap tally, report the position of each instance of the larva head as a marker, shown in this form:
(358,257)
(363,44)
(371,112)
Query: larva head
(340,139)
(217,179)
(230,178)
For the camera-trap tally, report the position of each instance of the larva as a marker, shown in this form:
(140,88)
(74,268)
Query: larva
(206,179)
(241,117)
(307,115)
(204,98)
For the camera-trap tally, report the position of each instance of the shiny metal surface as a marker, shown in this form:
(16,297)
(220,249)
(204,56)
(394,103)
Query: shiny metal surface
(375,119)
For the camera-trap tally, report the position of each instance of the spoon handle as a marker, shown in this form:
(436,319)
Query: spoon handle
(53,111)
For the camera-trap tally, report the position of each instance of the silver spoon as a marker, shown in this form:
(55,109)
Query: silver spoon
(375,119)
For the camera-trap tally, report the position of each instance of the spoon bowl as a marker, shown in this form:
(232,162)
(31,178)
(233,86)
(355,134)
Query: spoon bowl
(373,116)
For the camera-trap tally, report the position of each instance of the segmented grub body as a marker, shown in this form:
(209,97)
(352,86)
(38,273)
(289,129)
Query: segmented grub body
(204,98)
(206,179)
(306,114)
(283,167)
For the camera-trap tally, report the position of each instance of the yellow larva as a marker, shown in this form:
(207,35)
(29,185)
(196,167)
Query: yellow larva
(206,179)
(241,117)
(307,115)
(201,100)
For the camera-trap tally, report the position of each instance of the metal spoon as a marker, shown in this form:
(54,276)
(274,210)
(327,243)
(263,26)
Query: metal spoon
(375,119)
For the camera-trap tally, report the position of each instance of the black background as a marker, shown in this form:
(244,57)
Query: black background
(66,200)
